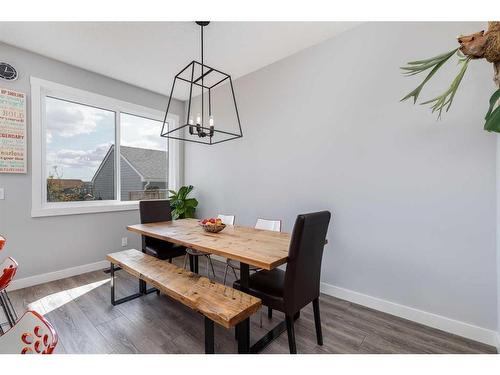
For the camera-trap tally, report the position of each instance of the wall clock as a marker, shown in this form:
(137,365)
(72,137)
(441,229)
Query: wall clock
(7,72)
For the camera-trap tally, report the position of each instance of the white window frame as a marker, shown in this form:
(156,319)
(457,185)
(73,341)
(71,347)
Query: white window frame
(40,89)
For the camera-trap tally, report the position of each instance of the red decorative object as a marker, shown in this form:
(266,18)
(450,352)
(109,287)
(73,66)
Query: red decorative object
(8,269)
(2,242)
(32,334)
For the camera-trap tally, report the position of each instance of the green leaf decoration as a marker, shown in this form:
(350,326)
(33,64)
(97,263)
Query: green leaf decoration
(435,58)
(183,207)
(191,203)
(175,214)
(189,213)
(182,192)
(493,121)
(446,99)
(416,67)
(494,98)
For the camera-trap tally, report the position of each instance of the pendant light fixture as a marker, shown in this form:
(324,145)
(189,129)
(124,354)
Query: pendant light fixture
(212,112)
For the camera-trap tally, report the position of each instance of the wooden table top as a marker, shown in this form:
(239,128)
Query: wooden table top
(260,248)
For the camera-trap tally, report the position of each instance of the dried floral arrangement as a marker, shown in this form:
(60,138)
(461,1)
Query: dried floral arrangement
(480,45)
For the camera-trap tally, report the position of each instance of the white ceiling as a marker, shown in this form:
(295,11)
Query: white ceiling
(150,54)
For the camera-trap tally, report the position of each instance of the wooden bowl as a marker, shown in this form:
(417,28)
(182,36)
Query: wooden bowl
(213,228)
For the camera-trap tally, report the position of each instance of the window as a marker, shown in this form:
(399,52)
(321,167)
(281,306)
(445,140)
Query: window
(78,141)
(144,154)
(93,153)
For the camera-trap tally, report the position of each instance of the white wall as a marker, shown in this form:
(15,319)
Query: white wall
(49,244)
(413,199)
(498,243)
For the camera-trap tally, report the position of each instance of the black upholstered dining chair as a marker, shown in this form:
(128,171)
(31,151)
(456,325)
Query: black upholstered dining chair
(153,211)
(291,290)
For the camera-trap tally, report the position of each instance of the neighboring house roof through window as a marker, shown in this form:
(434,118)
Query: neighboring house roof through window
(151,165)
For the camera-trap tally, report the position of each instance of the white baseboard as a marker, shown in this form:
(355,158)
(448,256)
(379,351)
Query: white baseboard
(57,275)
(456,327)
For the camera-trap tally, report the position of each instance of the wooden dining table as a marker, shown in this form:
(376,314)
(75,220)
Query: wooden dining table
(249,246)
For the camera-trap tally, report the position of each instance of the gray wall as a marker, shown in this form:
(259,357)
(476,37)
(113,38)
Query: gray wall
(413,199)
(48,244)
(498,243)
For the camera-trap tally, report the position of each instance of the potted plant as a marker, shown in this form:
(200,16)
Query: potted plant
(182,206)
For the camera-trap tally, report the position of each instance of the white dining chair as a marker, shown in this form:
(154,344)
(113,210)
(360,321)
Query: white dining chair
(226,219)
(264,224)
(273,225)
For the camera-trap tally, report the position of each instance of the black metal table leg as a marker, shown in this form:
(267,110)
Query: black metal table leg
(112,282)
(243,329)
(209,336)
(244,276)
(243,333)
(196,264)
(191,262)
(270,336)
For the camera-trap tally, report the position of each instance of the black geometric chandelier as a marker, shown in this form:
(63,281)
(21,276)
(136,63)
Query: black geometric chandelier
(212,112)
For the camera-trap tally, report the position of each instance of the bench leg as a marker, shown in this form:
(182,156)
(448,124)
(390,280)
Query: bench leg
(115,302)
(243,334)
(209,336)
(142,286)
(143,289)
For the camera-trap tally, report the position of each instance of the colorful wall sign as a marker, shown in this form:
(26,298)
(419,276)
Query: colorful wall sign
(13,157)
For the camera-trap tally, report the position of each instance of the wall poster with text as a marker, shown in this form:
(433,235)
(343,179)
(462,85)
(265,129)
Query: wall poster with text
(13,156)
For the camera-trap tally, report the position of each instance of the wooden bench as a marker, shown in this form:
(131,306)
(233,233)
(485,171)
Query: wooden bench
(221,304)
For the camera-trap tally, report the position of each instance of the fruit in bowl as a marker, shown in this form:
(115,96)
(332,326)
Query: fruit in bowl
(212,225)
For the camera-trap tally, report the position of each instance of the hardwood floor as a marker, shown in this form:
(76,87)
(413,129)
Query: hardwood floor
(79,308)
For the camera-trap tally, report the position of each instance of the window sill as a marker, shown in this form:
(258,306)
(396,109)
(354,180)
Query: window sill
(78,208)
